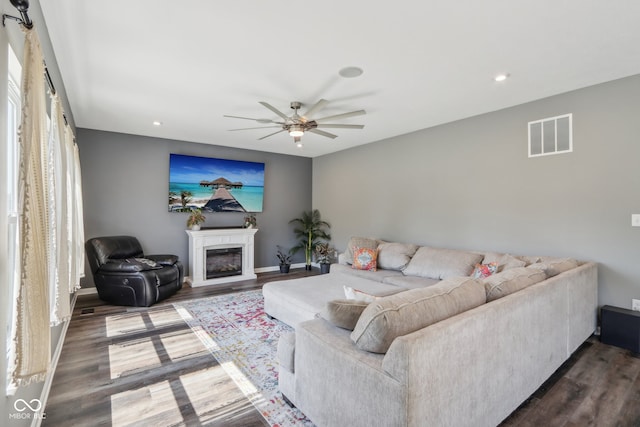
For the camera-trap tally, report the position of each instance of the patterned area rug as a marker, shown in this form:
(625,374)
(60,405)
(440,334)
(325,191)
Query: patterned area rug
(244,341)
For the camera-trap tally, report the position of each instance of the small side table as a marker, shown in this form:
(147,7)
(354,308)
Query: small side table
(620,327)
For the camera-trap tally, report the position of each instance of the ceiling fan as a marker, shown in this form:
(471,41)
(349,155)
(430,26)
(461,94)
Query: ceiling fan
(297,125)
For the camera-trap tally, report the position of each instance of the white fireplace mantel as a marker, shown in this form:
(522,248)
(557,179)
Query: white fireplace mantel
(214,238)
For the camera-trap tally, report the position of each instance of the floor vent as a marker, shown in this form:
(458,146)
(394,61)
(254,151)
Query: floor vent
(87,311)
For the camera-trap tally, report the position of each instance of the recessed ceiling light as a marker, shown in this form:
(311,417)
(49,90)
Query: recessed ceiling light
(501,77)
(157,123)
(350,72)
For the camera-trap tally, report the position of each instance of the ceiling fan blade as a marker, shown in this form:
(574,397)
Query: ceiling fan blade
(337,126)
(259,127)
(271,134)
(323,133)
(315,108)
(342,116)
(249,118)
(274,109)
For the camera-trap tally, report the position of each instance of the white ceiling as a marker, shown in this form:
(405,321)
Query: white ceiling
(127,63)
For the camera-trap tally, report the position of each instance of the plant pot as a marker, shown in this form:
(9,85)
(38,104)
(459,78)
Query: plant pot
(284,268)
(324,268)
(195,227)
(308,267)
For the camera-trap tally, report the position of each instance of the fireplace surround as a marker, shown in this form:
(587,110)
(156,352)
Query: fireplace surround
(220,255)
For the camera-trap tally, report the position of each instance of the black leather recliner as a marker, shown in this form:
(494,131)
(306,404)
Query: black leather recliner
(124,275)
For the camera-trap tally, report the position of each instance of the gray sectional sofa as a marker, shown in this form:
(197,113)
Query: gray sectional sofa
(424,342)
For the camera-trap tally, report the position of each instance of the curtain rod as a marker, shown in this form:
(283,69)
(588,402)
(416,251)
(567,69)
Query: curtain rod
(23,8)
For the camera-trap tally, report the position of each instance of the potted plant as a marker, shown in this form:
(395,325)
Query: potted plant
(285,260)
(250,221)
(195,219)
(309,229)
(324,256)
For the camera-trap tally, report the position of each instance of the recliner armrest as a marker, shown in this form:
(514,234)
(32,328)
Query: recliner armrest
(129,265)
(163,259)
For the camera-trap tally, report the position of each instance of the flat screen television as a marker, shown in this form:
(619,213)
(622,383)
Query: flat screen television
(214,185)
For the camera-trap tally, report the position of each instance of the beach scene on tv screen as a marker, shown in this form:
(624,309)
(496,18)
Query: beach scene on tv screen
(214,185)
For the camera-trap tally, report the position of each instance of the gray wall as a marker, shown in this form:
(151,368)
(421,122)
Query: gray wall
(125,182)
(470,185)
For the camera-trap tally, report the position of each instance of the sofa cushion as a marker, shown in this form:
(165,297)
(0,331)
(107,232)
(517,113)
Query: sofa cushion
(439,263)
(555,266)
(528,260)
(344,313)
(365,259)
(510,281)
(379,275)
(410,282)
(504,261)
(359,242)
(395,256)
(387,318)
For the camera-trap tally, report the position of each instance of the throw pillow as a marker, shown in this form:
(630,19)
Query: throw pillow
(437,263)
(344,313)
(510,281)
(504,261)
(395,256)
(359,242)
(400,314)
(357,295)
(484,270)
(555,266)
(365,259)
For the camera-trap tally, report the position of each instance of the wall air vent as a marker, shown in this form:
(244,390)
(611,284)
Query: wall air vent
(553,135)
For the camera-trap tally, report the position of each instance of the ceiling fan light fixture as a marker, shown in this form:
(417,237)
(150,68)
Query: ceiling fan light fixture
(296,131)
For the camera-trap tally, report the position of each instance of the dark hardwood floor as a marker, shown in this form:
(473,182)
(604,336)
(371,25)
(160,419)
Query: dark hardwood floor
(123,366)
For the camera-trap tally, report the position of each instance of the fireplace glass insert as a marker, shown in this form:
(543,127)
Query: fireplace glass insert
(223,262)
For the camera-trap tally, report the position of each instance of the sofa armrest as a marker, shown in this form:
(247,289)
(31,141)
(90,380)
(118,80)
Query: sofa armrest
(286,351)
(330,370)
(163,259)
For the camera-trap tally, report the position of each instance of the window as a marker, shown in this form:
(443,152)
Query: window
(551,136)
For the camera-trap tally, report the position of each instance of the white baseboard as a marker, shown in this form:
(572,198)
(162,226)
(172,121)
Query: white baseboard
(86,291)
(277,268)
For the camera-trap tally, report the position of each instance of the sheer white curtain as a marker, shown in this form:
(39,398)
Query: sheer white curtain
(67,231)
(32,334)
(78,216)
(60,236)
